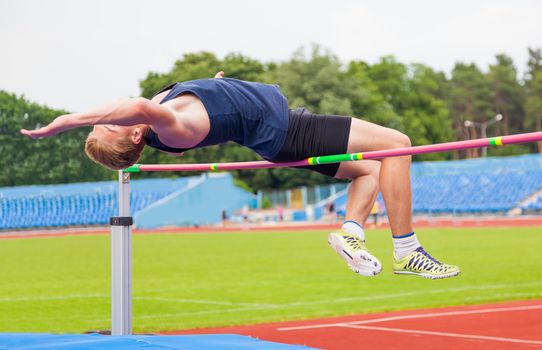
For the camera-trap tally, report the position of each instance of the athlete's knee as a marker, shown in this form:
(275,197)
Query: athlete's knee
(400,140)
(374,182)
(373,177)
(374,171)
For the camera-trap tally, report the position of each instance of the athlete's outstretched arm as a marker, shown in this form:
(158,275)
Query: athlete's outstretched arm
(125,112)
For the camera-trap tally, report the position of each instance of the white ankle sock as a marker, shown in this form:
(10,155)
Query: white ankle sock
(405,244)
(354,228)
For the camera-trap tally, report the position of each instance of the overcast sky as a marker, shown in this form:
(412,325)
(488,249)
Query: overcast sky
(77,54)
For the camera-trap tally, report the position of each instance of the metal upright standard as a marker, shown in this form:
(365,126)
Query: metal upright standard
(121,262)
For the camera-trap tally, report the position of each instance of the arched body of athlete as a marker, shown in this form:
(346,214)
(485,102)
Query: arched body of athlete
(202,112)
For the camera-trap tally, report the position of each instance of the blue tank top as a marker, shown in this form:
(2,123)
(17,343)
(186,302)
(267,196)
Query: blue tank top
(251,114)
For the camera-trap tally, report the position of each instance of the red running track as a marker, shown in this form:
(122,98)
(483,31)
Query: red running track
(419,222)
(510,325)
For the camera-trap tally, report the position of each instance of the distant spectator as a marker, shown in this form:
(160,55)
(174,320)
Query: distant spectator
(374,213)
(331,211)
(224,217)
(331,208)
(244,212)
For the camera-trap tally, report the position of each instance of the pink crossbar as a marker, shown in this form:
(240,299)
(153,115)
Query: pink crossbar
(441,147)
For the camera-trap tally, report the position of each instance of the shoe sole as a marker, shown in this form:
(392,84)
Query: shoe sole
(364,264)
(426,275)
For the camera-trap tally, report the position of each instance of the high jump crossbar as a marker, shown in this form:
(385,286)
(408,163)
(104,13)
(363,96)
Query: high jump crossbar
(395,152)
(121,226)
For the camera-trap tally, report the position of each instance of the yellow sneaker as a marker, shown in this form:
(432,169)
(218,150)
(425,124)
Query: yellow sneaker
(420,263)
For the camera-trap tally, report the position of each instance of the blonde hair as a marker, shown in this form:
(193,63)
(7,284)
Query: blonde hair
(117,156)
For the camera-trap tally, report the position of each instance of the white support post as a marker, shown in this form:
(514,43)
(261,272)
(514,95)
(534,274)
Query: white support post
(121,262)
(288,198)
(304,198)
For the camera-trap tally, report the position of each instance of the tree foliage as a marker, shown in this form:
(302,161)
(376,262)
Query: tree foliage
(52,160)
(533,84)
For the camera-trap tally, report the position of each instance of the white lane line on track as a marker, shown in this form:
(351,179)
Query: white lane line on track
(451,313)
(445,334)
(416,316)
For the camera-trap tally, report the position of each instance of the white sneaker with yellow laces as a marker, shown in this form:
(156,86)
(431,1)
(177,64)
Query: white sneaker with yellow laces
(355,253)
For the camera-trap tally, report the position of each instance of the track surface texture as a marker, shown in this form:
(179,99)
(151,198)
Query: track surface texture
(509,325)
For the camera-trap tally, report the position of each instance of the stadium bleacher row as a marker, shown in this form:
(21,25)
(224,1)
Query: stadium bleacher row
(482,185)
(474,193)
(489,185)
(474,186)
(534,206)
(90,203)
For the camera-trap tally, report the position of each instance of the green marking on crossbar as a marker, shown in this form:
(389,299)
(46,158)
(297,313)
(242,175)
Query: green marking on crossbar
(133,169)
(495,141)
(334,158)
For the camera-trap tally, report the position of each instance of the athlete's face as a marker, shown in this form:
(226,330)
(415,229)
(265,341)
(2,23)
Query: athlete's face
(111,132)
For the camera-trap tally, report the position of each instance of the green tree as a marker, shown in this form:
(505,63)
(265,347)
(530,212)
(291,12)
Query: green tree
(533,87)
(411,98)
(316,82)
(507,95)
(52,160)
(241,67)
(370,104)
(469,99)
(426,118)
(391,78)
(192,66)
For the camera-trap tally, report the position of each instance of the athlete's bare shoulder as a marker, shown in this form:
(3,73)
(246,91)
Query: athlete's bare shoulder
(158,98)
(181,103)
(192,121)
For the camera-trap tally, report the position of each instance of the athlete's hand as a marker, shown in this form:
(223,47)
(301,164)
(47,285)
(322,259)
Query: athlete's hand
(219,75)
(58,125)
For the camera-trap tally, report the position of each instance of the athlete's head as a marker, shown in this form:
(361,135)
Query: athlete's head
(116,147)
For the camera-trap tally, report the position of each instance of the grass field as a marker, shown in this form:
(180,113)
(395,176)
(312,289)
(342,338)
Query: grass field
(61,284)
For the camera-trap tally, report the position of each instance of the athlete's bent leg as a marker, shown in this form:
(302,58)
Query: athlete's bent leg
(363,189)
(349,241)
(394,181)
(394,177)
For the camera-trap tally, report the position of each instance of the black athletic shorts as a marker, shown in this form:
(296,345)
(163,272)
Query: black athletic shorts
(311,135)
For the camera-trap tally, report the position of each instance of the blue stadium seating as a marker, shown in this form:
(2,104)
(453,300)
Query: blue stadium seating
(534,206)
(482,185)
(90,203)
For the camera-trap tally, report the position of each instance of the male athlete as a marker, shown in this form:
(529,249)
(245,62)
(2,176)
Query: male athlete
(206,112)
